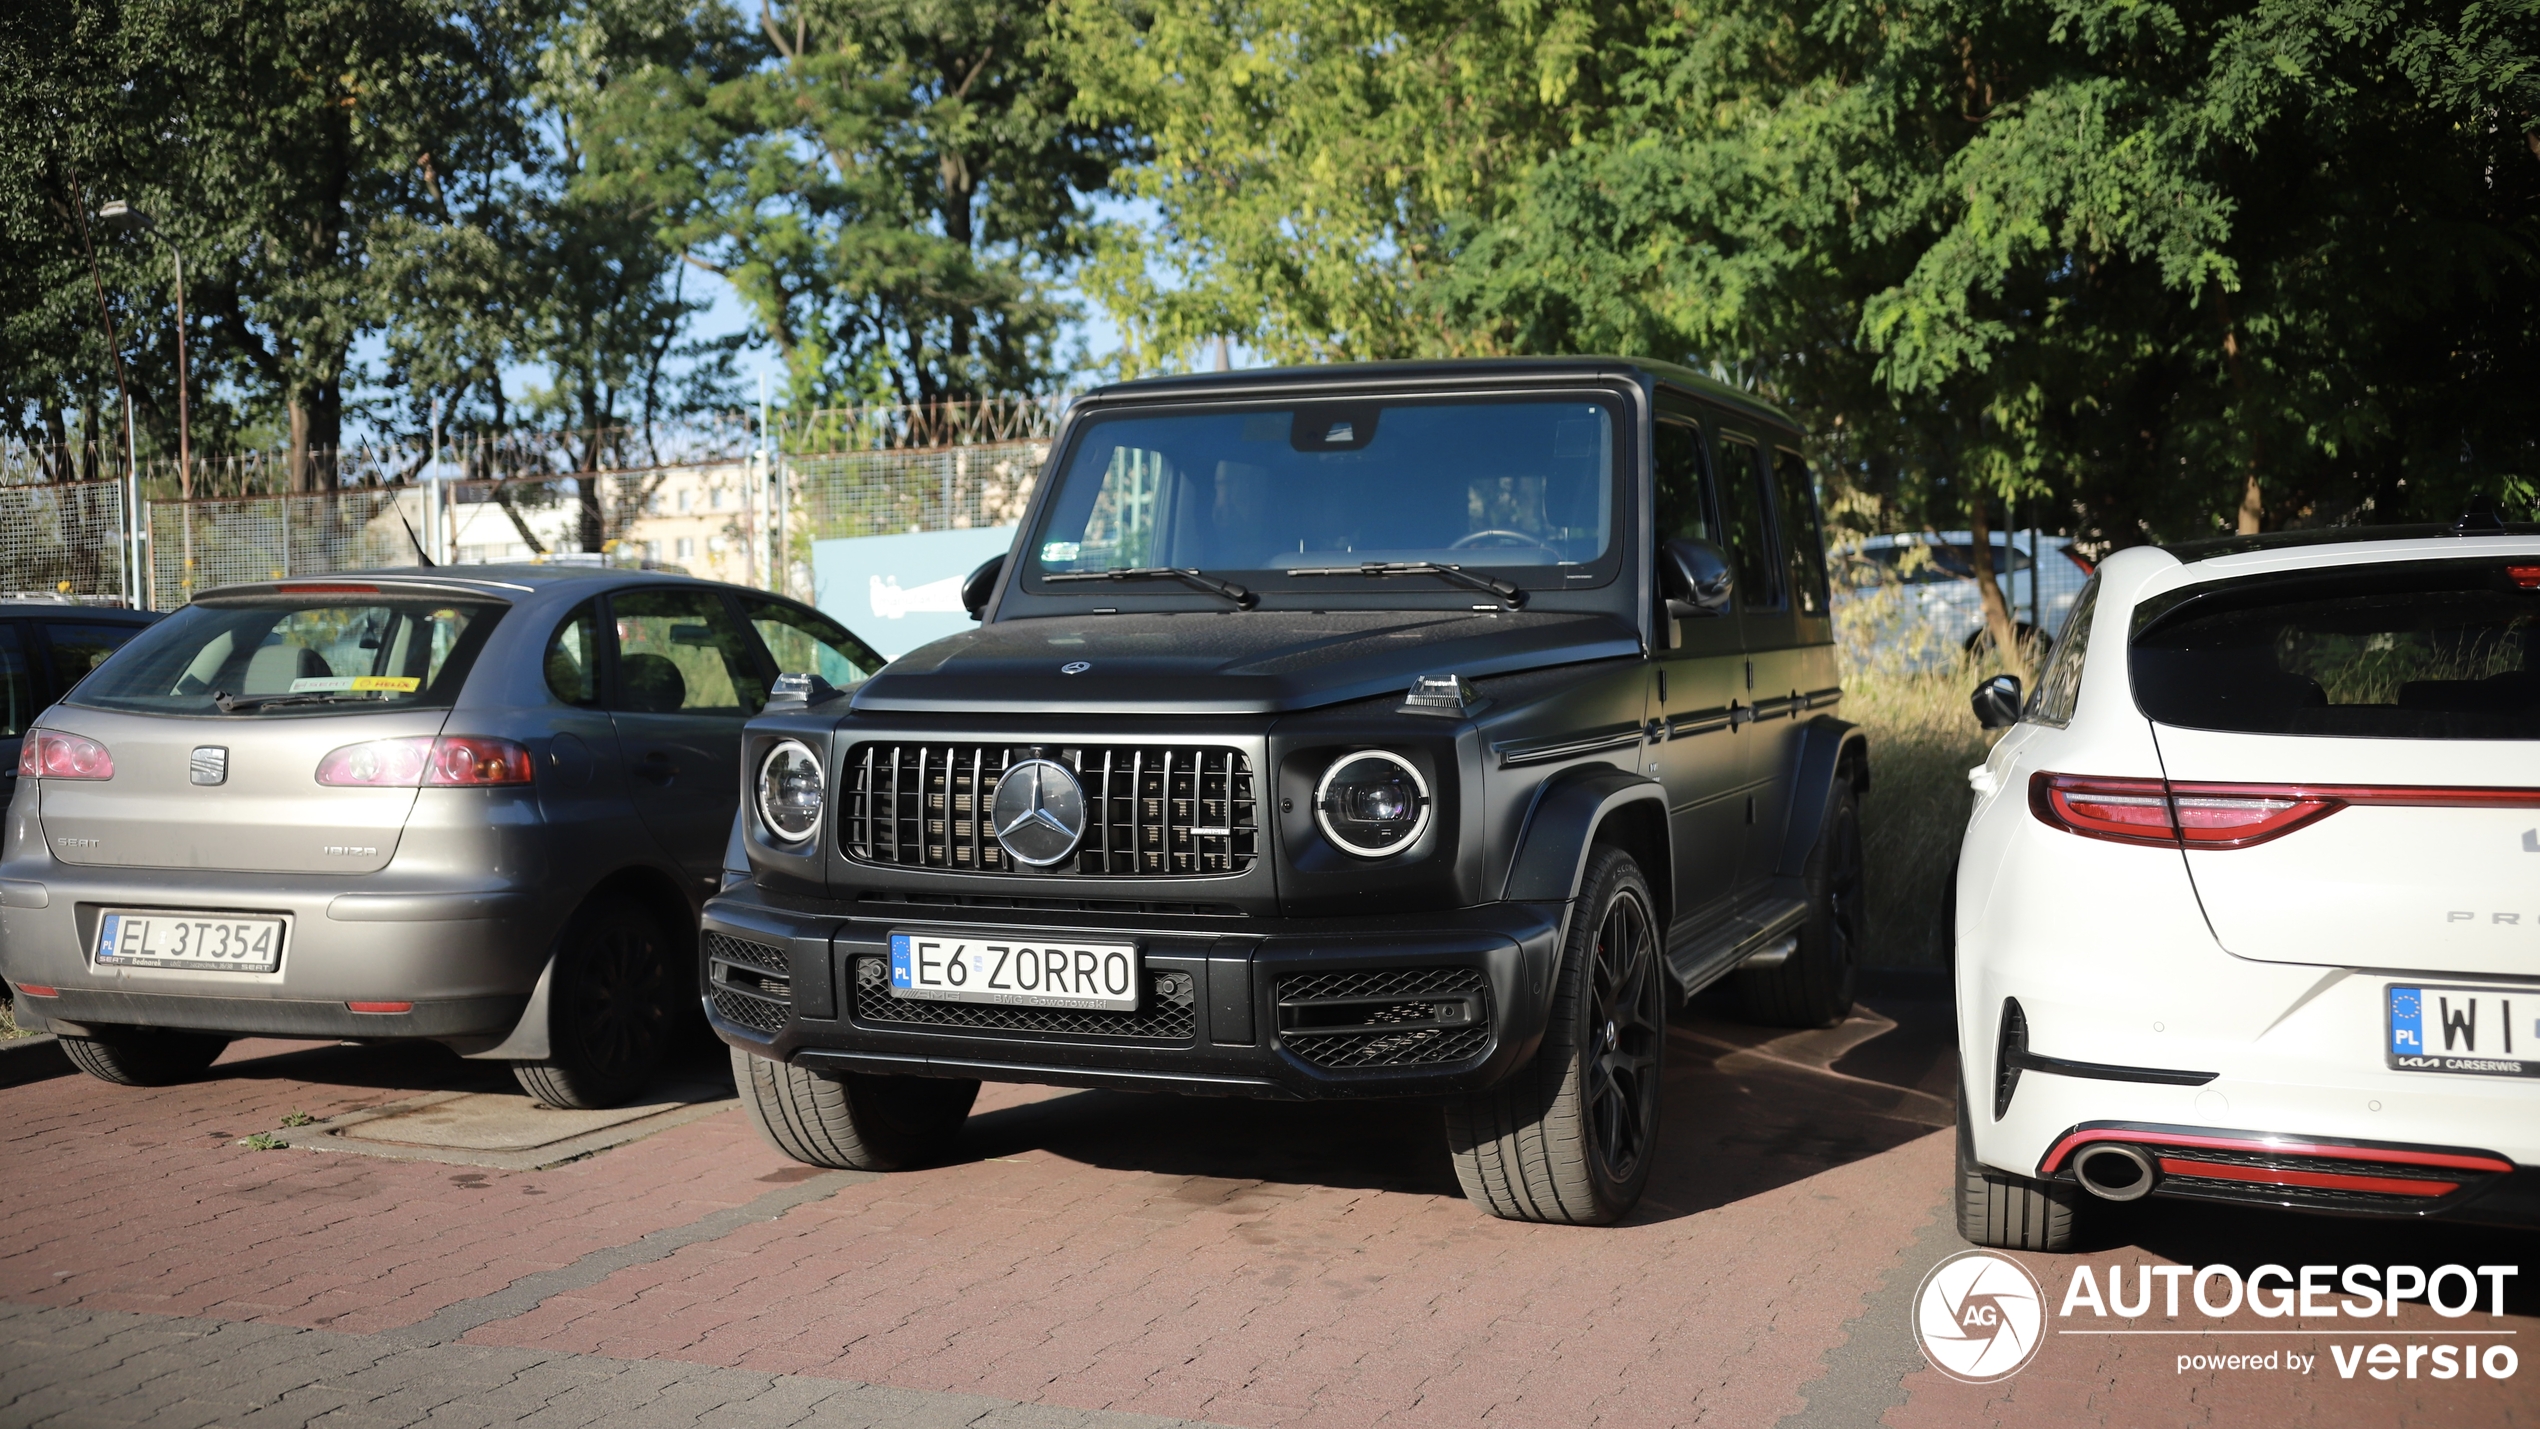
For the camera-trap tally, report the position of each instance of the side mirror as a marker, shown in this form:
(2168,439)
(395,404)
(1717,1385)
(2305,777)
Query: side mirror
(1997,702)
(1694,577)
(980,584)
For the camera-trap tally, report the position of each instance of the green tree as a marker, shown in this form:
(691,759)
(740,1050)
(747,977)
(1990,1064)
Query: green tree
(891,185)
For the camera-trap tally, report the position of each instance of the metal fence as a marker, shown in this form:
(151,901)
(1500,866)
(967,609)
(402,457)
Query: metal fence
(731,520)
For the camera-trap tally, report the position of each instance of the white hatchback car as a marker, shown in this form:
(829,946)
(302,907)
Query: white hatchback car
(2249,906)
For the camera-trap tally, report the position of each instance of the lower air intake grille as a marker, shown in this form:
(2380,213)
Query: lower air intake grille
(748,983)
(1391,1017)
(1168,1013)
(1151,811)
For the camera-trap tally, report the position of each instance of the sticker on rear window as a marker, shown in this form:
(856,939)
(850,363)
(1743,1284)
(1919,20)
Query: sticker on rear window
(329,684)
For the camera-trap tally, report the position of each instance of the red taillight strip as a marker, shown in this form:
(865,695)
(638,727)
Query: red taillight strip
(2065,801)
(2389,1155)
(2317,1180)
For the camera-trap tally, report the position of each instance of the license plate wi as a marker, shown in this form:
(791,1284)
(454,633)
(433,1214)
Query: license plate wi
(2477,1031)
(219,942)
(1028,971)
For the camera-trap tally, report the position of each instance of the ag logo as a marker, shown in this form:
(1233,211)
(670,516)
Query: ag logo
(1979,1317)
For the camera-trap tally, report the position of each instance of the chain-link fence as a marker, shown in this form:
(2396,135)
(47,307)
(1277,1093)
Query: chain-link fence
(63,539)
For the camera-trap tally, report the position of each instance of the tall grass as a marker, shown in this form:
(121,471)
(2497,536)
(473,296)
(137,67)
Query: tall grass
(1910,697)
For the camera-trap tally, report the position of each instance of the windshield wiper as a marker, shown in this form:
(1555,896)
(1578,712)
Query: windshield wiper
(1508,591)
(1197,580)
(232,704)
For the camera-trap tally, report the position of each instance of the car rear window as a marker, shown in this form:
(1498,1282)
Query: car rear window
(305,654)
(2415,650)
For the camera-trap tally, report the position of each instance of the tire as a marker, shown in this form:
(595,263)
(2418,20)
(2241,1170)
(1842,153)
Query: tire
(1568,1138)
(853,1121)
(2008,1212)
(1813,986)
(143,1057)
(612,1010)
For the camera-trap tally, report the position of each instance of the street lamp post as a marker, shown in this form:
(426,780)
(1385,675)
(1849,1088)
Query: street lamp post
(123,215)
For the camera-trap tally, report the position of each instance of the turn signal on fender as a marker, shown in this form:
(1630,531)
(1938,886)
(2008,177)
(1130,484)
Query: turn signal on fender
(450,761)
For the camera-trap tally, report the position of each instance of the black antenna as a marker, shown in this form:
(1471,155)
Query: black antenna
(411,536)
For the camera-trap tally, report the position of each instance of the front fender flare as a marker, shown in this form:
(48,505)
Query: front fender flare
(1552,849)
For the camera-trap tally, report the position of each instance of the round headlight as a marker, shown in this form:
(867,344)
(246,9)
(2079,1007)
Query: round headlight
(791,791)
(1372,803)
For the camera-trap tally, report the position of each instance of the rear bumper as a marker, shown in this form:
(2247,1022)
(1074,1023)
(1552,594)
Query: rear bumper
(798,988)
(2391,1180)
(466,958)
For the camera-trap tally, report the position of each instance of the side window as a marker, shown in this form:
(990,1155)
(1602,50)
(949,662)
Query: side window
(1759,584)
(2059,689)
(807,641)
(17,684)
(573,658)
(1677,481)
(681,651)
(1806,544)
(78,649)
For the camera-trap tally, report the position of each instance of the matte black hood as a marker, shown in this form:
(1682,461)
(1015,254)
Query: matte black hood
(1232,662)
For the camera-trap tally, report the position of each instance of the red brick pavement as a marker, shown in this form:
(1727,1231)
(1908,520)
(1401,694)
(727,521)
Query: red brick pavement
(1254,1264)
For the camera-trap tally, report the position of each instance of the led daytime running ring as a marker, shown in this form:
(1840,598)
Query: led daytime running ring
(1323,803)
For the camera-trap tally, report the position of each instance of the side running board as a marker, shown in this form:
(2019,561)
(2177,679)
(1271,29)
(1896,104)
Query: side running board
(1758,932)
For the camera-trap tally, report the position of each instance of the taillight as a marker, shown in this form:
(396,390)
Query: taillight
(450,761)
(2128,811)
(2178,814)
(49,755)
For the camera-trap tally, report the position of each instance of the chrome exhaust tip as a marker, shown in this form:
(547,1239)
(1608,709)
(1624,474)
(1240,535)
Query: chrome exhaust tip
(2113,1171)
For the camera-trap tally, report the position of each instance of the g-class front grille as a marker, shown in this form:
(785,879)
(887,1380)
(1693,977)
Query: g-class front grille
(1151,811)
(1392,1017)
(1169,1012)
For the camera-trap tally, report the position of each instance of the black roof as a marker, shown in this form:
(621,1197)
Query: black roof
(2210,547)
(1269,381)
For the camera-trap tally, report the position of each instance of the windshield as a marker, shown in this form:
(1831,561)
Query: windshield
(1522,487)
(2435,650)
(322,653)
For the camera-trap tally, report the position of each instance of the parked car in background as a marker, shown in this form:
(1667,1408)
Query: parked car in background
(47,646)
(1915,594)
(2245,906)
(477,805)
(1400,730)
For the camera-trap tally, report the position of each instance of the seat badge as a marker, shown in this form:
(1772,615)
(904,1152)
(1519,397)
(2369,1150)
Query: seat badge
(1038,812)
(210,765)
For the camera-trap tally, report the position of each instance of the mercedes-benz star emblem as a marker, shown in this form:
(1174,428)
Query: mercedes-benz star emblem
(1039,812)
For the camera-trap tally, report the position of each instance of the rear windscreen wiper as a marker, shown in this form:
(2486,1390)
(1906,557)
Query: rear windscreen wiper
(232,704)
(1508,591)
(1198,580)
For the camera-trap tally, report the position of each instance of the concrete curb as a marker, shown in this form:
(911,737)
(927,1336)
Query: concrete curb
(32,1059)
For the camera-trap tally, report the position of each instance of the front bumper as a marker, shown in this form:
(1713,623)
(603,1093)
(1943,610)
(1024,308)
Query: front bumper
(1227,1009)
(465,960)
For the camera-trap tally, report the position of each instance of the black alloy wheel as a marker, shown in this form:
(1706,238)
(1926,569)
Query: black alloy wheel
(1569,1137)
(610,1013)
(1627,1025)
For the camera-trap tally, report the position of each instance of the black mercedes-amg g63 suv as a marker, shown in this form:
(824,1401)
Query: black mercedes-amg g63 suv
(1403,730)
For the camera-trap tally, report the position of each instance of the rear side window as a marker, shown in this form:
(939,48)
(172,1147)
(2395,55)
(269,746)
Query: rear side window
(2059,689)
(573,658)
(1750,549)
(305,653)
(1799,531)
(2425,650)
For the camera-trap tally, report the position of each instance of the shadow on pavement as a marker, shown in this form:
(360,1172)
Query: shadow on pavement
(421,1067)
(1747,1109)
(2202,1233)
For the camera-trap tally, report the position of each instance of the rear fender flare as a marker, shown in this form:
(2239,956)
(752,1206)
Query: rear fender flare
(1830,749)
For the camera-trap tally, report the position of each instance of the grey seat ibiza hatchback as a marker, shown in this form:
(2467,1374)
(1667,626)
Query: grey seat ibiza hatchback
(479,805)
